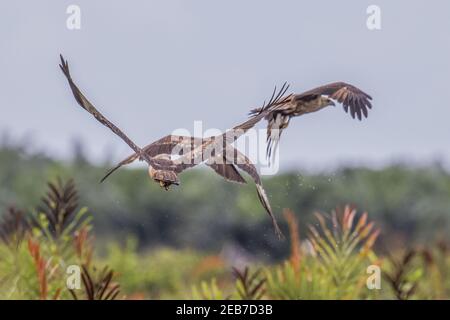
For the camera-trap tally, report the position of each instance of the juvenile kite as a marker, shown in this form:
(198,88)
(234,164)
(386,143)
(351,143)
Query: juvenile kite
(351,98)
(216,152)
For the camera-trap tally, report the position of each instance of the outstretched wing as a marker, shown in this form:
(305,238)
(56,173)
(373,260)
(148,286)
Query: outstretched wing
(89,107)
(227,171)
(179,145)
(124,162)
(244,163)
(352,98)
(209,146)
(164,145)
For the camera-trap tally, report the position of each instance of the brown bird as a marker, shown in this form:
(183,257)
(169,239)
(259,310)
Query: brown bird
(216,152)
(351,98)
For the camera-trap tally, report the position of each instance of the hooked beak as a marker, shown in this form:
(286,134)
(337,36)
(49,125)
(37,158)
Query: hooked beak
(332,104)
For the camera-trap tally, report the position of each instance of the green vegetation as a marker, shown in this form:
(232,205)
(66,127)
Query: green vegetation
(38,249)
(205,212)
(182,244)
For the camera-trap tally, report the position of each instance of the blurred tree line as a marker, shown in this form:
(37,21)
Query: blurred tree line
(205,212)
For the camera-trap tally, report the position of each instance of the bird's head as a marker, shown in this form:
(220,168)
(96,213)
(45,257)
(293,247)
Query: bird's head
(165,178)
(325,102)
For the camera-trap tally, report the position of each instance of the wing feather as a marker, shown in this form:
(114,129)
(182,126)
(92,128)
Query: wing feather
(243,163)
(227,171)
(164,145)
(353,99)
(89,107)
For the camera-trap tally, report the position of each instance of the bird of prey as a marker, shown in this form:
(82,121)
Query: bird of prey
(351,98)
(216,152)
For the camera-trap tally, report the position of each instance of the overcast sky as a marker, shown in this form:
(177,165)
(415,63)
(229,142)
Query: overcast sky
(154,66)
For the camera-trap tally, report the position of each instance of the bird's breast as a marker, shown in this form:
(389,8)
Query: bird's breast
(151,172)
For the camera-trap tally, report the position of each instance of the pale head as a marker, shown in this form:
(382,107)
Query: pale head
(325,102)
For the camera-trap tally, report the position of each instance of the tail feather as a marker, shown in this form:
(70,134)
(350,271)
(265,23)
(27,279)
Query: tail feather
(275,127)
(227,171)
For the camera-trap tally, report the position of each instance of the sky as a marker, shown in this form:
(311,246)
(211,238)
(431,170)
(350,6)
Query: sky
(155,66)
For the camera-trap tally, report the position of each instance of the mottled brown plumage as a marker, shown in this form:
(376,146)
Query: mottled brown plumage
(351,98)
(216,152)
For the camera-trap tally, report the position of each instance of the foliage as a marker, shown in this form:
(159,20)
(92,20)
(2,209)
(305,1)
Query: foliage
(249,286)
(435,280)
(98,286)
(36,247)
(161,273)
(208,291)
(13,227)
(334,262)
(331,265)
(410,204)
(57,235)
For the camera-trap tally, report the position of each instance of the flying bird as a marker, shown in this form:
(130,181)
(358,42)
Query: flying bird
(216,152)
(352,99)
